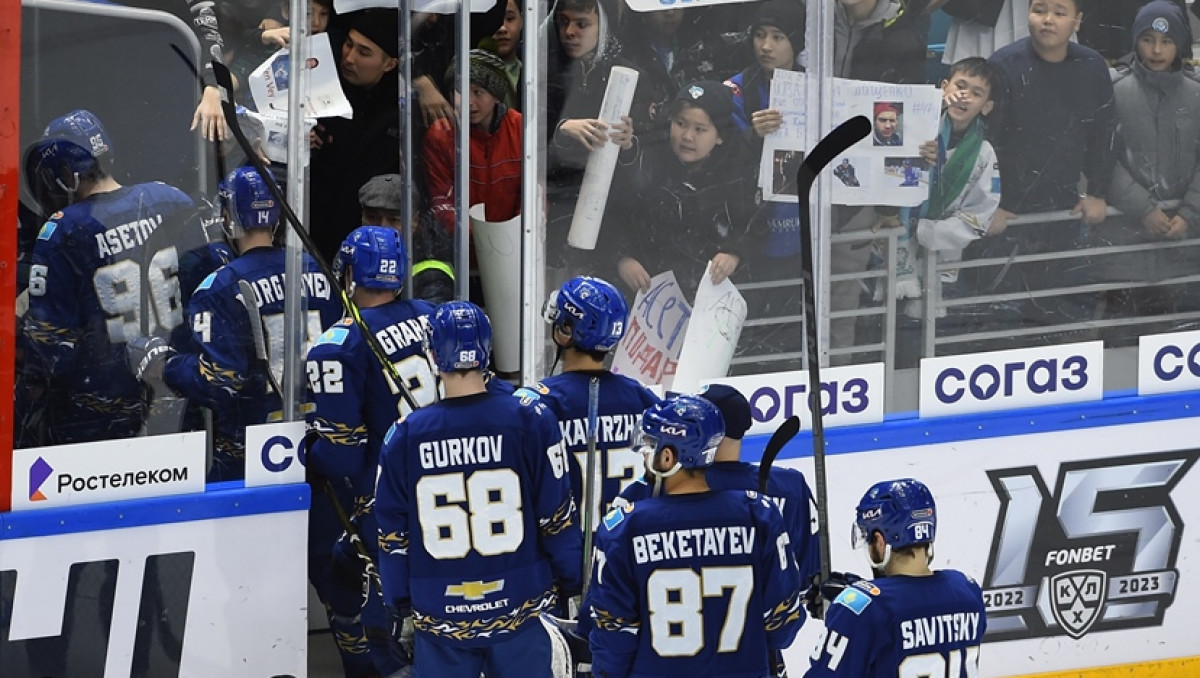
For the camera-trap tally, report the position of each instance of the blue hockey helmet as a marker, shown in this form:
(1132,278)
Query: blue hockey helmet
(688,424)
(246,202)
(902,511)
(72,146)
(376,257)
(591,311)
(460,337)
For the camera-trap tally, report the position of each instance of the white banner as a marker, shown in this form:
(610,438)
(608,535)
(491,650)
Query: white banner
(649,351)
(1115,504)
(273,454)
(108,470)
(498,253)
(1168,363)
(655,5)
(602,162)
(712,334)
(852,394)
(1006,380)
(216,601)
(432,6)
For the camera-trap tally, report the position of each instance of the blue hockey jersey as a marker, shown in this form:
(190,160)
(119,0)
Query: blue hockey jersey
(225,375)
(476,519)
(355,401)
(692,585)
(874,627)
(786,488)
(103,271)
(622,401)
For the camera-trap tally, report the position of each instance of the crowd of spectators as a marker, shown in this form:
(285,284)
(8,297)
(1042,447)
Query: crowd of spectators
(1049,107)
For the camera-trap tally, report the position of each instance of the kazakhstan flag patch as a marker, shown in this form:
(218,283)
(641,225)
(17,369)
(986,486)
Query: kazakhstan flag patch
(613,518)
(857,601)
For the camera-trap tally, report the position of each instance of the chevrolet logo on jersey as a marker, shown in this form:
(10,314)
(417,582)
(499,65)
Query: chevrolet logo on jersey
(475,590)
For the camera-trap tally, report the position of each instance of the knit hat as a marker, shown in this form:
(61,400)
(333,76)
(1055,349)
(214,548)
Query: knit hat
(787,16)
(885,106)
(382,193)
(714,97)
(378,25)
(1163,16)
(735,409)
(487,71)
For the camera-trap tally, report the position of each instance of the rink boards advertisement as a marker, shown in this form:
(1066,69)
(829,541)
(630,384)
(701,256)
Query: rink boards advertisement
(1082,540)
(167,587)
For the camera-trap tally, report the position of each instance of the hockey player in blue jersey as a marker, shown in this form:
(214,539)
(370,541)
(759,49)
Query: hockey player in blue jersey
(588,317)
(786,487)
(355,402)
(102,273)
(225,375)
(909,620)
(476,520)
(693,582)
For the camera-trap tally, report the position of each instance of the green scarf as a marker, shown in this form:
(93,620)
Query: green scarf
(949,177)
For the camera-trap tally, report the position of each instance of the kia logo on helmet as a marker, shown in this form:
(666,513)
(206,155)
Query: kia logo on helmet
(674,430)
(872,514)
(573,310)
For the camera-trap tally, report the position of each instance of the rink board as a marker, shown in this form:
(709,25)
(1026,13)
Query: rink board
(211,584)
(1104,493)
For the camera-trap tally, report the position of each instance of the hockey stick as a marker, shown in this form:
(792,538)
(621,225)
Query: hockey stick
(258,333)
(780,438)
(835,143)
(225,85)
(589,478)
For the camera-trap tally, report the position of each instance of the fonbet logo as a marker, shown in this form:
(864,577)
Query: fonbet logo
(39,473)
(1096,554)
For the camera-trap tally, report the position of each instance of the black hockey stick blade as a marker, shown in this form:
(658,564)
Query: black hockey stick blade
(258,333)
(779,439)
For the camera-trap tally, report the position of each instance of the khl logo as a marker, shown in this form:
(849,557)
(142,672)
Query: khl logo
(1099,553)
(39,473)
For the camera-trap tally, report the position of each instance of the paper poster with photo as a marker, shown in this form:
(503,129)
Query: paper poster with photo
(658,321)
(269,83)
(885,168)
(783,149)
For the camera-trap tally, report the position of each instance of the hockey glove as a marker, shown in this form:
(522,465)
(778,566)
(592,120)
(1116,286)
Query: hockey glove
(146,357)
(827,591)
(402,628)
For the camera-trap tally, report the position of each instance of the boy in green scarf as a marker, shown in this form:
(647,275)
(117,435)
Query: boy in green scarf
(964,186)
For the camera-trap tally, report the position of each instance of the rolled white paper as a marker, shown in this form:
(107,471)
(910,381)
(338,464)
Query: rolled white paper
(498,253)
(712,334)
(597,176)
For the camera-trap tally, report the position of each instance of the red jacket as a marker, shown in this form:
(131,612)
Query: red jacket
(495,168)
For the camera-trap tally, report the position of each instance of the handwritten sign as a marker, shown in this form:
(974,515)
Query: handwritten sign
(712,334)
(649,351)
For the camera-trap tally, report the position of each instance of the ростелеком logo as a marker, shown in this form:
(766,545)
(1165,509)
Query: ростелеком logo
(38,473)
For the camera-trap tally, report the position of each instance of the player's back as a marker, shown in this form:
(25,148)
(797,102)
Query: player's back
(355,396)
(484,486)
(885,627)
(621,403)
(708,575)
(789,491)
(103,272)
